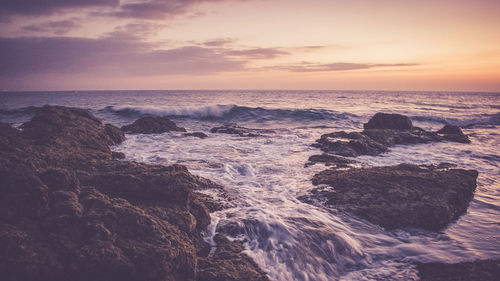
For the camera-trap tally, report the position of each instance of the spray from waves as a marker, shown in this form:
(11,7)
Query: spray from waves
(479,120)
(230,113)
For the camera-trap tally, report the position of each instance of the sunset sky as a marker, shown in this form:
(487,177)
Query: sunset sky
(250,44)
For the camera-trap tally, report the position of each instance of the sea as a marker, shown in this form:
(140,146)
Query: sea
(265,176)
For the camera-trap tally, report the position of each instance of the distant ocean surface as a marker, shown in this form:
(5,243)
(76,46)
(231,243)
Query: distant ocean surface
(289,239)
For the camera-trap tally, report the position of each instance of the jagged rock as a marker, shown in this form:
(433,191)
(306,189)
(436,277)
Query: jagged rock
(152,125)
(453,133)
(330,160)
(241,131)
(481,270)
(196,134)
(400,196)
(382,132)
(68,211)
(349,144)
(228,263)
(389,121)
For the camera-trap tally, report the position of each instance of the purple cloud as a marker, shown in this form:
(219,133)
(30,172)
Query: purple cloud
(158,9)
(56,27)
(110,56)
(219,42)
(38,7)
(257,53)
(338,66)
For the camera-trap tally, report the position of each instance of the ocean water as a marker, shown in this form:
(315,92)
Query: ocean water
(289,239)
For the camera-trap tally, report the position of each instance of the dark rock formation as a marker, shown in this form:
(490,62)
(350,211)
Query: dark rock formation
(228,263)
(482,270)
(349,144)
(381,132)
(400,196)
(453,133)
(241,131)
(152,125)
(330,160)
(196,134)
(68,211)
(389,121)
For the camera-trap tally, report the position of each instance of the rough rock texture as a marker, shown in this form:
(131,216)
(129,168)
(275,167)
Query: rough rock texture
(241,131)
(400,196)
(381,132)
(68,211)
(453,133)
(330,160)
(196,134)
(152,125)
(482,270)
(229,263)
(389,121)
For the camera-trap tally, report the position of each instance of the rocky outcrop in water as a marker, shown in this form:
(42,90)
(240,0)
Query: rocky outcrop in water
(389,121)
(400,196)
(482,270)
(152,125)
(68,211)
(197,135)
(453,133)
(240,131)
(383,131)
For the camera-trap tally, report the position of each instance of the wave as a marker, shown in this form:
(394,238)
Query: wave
(479,120)
(231,113)
(29,110)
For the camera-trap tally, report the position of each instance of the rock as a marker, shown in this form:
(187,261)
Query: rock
(400,196)
(330,160)
(481,270)
(114,133)
(228,263)
(240,131)
(349,144)
(117,155)
(196,134)
(453,133)
(389,121)
(152,125)
(382,132)
(69,211)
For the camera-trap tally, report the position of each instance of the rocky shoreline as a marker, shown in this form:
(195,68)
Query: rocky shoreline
(70,211)
(401,196)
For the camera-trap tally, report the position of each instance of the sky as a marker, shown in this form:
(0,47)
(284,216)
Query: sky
(439,45)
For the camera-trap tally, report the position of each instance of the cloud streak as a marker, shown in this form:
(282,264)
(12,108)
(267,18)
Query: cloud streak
(37,7)
(338,66)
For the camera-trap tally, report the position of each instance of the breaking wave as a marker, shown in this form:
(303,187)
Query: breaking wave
(231,113)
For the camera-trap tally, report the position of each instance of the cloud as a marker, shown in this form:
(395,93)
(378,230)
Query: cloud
(219,42)
(38,7)
(159,9)
(337,66)
(110,55)
(56,27)
(257,53)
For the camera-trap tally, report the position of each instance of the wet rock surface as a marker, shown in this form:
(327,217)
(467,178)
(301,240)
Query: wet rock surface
(240,131)
(383,131)
(399,196)
(482,270)
(152,125)
(330,160)
(69,211)
(228,263)
(197,135)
